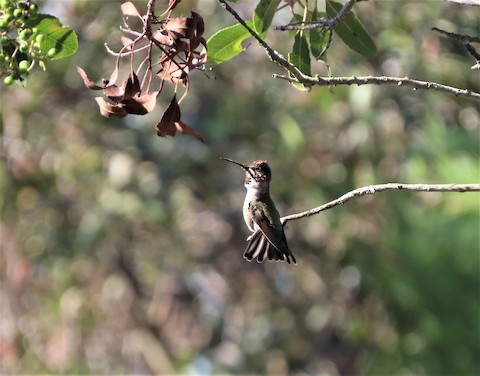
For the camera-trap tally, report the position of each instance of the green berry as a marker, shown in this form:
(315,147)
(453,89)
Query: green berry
(25,15)
(22,5)
(4,40)
(40,38)
(23,66)
(23,47)
(33,8)
(17,13)
(4,4)
(51,52)
(8,80)
(5,22)
(25,34)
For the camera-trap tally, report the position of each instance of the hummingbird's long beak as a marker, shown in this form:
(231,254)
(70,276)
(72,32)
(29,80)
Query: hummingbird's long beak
(246,168)
(237,163)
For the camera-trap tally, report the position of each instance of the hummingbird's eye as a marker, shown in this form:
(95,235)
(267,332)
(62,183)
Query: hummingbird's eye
(262,169)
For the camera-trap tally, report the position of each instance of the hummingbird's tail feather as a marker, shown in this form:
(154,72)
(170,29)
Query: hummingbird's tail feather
(259,252)
(260,247)
(257,247)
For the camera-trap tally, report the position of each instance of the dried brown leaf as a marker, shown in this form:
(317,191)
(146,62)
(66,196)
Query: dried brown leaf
(171,123)
(110,110)
(174,72)
(181,46)
(199,59)
(181,26)
(166,125)
(131,86)
(113,76)
(88,82)
(163,37)
(114,93)
(198,28)
(126,42)
(128,9)
(140,105)
(148,101)
(199,24)
(186,129)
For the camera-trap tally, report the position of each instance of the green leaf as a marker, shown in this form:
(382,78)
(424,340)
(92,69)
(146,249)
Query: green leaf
(319,42)
(263,15)
(61,38)
(300,57)
(226,43)
(352,32)
(319,39)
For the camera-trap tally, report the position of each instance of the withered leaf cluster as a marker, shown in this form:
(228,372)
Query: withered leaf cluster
(170,49)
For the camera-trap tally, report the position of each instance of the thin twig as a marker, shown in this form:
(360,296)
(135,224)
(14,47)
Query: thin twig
(459,37)
(372,189)
(150,16)
(472,51)
(272,54)
(124,54)
(382,80)
(127,30)
(322,22)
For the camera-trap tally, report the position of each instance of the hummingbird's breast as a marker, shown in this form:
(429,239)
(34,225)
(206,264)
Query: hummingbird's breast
(252,196)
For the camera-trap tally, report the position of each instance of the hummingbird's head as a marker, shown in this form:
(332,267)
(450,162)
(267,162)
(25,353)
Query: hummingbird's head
(258,177)
(257,174)
(260,171)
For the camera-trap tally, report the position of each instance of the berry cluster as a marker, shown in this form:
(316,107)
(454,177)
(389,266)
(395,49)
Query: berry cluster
(20,45)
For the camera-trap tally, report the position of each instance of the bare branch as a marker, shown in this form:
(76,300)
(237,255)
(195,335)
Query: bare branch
(467,2)
(299,77)
(372,189)
(379,80)
(322,22)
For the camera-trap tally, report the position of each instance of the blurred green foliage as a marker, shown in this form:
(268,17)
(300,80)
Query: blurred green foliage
(122,252)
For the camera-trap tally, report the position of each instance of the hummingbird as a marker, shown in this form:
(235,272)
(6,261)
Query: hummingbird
(261,216)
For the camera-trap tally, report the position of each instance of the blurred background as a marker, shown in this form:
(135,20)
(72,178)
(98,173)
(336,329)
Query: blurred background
(121,252)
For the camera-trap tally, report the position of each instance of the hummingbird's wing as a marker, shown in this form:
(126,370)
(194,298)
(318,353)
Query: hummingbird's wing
(266,241)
